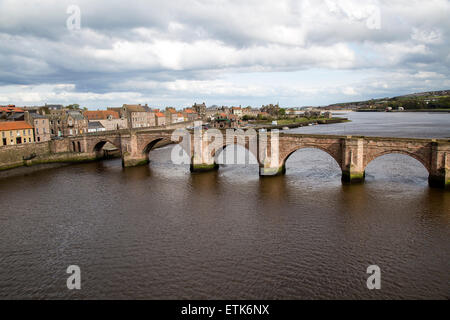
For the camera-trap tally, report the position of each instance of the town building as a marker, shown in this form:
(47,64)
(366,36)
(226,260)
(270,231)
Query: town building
(160,119)
(271,109)
(180,117)
(67,123)
(190,115)
(200,109)
(41,126)
(171,115)
(250,112)
(121,112)
(15,132)
(95,126)
(11,113)
(109,119)
(225,121)
(237,111)
(138,116)
(54,106)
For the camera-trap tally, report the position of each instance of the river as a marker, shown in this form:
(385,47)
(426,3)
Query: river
(160,232)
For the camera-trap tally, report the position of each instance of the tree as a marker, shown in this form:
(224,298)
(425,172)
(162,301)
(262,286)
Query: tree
(74,106)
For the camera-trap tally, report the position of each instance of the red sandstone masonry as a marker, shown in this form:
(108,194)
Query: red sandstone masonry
(352,153)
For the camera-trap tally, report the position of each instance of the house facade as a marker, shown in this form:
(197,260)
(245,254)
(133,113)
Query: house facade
(109,119)
(15,132)
(138,116)
(67,123)
(160,119)
(41,126)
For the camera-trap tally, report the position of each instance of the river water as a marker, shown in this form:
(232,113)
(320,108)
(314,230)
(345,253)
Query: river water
(160,232)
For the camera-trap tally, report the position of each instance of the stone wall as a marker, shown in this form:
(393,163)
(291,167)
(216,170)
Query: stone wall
(12,156)
(45,152)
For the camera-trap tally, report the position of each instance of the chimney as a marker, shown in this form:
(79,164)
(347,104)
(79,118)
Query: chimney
(27,117)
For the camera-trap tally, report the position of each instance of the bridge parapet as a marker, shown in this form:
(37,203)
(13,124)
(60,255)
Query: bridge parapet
(352,153)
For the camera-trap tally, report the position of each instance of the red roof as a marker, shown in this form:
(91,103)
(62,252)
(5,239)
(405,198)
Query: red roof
(159,114)
(10,109)
(101,114)
(14,125)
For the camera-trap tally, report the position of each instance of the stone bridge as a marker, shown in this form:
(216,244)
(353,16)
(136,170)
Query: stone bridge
(351,153)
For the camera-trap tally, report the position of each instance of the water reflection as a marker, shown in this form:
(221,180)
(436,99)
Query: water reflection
(158,231)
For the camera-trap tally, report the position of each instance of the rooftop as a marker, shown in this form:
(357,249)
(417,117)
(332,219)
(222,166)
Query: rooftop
(135,108)
(14,125)
(95,125)
(76,115)
(101,114)
(10,109)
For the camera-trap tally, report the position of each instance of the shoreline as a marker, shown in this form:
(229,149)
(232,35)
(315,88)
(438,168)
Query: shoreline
(412,110)
(303,124)
(60,160)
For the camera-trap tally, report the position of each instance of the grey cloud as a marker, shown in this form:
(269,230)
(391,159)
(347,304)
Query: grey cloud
(165,41)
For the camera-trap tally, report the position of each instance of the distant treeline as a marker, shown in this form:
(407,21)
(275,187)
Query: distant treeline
(419,103)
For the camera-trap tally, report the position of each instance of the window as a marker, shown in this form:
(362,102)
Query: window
(39,139)
(37,130)
(3,134)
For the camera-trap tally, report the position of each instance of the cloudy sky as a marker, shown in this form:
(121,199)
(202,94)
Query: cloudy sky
(252,52)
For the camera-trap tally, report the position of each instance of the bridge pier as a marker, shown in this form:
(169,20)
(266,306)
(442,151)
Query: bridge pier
(271,171)
(352,160)
(353,176)
(129,160)
(440,167)
(203,167)
(440,181)
(132,156)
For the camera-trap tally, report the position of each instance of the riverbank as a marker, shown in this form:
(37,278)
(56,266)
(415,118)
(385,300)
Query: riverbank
(301,122)
(13,157)
(410,110)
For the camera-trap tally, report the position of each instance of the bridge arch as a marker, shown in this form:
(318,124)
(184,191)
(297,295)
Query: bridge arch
(215,153)
(98,147)
(284,157)
(425,164)
(150,145)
